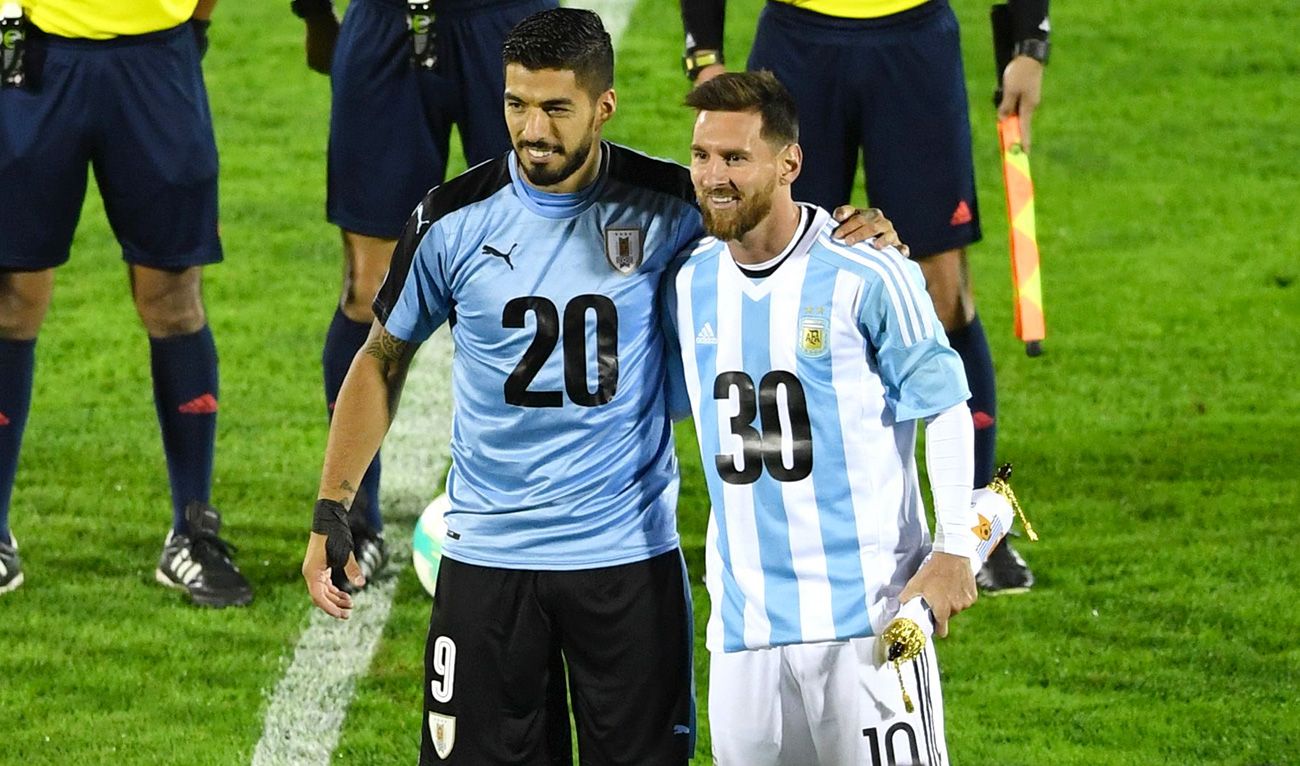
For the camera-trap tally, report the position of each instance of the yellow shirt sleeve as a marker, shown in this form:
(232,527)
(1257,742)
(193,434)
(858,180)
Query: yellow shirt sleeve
(103,19)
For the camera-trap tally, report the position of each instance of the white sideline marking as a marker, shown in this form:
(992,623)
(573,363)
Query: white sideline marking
(305,713)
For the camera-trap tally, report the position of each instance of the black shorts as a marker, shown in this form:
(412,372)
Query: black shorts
(894,89)
(135,109)
(503,642)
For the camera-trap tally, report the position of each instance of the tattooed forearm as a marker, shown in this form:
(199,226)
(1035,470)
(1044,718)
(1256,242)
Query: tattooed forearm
(387,348)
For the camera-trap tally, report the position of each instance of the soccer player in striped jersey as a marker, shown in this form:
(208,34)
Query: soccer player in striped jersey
(807,363)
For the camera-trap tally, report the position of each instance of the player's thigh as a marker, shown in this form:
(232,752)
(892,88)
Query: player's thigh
(887,732)
(746,714)
(488,658)
(627,635)
(474,37)
(44,154)
(389,123)
(155,157)
(818,70)
(916,133)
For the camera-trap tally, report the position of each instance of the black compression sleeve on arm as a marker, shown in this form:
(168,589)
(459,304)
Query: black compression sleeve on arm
(1028,19)
(703,21)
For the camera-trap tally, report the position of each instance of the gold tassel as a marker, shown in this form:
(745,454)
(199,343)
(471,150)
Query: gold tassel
(1000,486)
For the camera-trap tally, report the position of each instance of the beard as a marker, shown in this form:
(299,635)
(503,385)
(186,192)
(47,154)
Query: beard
(750,210)
(545,176)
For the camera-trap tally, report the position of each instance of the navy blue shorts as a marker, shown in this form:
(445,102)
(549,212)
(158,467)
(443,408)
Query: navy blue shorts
(135,109)
(893,88)
(390,123)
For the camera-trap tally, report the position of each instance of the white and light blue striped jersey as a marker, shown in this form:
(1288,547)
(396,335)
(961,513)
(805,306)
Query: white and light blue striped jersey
(805,386)
(562,451)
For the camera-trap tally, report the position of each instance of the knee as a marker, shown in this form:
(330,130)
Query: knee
(367,265)
(24,300)
(359,291)
(955,308)
(170,313)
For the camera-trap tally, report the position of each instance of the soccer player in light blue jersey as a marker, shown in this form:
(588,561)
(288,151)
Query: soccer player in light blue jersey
(807,363)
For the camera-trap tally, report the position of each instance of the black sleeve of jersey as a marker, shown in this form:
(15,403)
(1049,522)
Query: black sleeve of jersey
(703,21)
(1027,19)
(463,190)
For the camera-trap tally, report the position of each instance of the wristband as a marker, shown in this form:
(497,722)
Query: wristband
(1036,49)
(307,8)
(330,518)
(696,60)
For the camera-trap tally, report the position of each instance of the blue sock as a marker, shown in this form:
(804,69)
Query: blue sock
(344,339)
(185,395)
(973,347)
(17,360)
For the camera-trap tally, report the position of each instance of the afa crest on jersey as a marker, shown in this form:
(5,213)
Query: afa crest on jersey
(812,336)
(623,249)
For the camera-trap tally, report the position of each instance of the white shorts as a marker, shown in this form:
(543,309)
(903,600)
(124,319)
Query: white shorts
(827,704)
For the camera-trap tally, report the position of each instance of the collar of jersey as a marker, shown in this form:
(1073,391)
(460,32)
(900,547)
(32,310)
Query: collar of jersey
(757,289)
(566,205)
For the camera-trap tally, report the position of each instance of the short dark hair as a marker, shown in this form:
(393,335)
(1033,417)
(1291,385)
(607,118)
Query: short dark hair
(567,39)
(751,92)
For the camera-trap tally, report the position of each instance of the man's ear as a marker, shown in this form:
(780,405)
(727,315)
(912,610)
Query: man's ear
(606,105)
(791,161)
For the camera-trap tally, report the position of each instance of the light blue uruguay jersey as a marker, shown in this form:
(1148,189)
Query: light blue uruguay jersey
(805,386)
(561,445)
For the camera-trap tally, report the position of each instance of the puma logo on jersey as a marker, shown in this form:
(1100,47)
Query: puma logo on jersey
(495,253)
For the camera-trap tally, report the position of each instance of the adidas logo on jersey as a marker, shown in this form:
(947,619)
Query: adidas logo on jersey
(706,336)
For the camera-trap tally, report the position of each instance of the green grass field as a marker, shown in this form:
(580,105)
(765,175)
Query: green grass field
(1157,442)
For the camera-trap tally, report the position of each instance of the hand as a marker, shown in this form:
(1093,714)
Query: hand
(1022,88)
(708,73)
(316,571)
(322,33)
(947,584)
(860,225)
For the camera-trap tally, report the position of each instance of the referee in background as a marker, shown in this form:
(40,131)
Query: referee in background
(116,85)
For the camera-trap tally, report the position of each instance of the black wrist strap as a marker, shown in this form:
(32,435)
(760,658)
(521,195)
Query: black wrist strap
(307,8)
(330,518)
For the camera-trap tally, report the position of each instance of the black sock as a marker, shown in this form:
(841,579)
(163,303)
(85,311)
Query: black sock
(973,347)
(344,339)
(185,395)
(17,360)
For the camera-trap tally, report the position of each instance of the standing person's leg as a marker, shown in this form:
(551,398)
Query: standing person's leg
(155,160)
(387,147)
(43,162)
(24,299)
(818,71)
(919,169)
(756,713)
(886,731)
(472,50)
(488,659)
(627,636)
